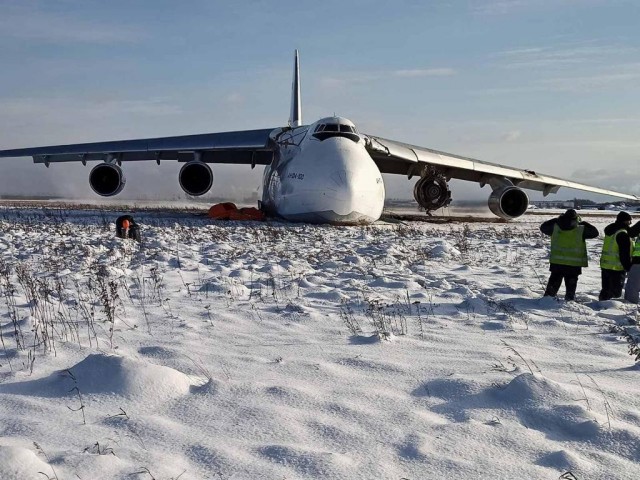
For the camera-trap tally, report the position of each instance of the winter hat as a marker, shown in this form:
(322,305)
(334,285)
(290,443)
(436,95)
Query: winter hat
(623,217)
(571,214)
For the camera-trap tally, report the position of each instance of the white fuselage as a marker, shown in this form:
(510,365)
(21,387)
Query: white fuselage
(322,173)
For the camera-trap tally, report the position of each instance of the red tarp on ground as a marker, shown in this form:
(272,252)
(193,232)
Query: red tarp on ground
(229,211)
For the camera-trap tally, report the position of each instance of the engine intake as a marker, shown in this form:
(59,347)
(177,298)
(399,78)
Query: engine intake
(107,179)
(195,178)
(508,202)
(432,191)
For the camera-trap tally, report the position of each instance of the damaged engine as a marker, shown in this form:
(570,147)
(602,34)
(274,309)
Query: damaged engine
(432,191)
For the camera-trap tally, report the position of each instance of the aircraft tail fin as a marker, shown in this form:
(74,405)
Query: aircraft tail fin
(295,120)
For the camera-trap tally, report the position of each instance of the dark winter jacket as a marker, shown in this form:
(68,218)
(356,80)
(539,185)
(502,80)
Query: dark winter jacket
(566,223)
(623,240)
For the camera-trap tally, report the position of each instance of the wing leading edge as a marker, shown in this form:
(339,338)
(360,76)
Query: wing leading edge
(405,159)
(240,147)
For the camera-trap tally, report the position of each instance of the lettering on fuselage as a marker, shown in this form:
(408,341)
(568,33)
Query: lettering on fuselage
(296,176)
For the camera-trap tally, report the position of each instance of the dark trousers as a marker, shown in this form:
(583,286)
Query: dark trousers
(555,281)
(612,283)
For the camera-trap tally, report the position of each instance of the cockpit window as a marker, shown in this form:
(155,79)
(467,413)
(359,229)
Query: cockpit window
(328,130)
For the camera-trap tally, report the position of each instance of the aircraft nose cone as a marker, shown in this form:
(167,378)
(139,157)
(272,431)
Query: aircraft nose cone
(350,189)
(353,190)
(341,184)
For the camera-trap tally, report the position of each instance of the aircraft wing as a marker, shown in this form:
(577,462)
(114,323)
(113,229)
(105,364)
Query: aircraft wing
(401,158)
(251,147)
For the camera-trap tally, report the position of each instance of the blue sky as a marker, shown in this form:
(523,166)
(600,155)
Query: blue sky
(549,85)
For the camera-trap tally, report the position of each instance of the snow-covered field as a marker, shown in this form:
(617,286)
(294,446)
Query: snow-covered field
(277,351)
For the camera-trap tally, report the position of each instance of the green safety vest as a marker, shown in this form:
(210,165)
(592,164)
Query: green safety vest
(636,248)
(568,247)
(610,259)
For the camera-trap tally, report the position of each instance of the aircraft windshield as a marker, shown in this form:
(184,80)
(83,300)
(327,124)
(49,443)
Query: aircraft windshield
(328,130)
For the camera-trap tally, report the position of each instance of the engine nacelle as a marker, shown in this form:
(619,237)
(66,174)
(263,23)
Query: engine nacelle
(196,178)
(508,202)
(107,179)
(432,191)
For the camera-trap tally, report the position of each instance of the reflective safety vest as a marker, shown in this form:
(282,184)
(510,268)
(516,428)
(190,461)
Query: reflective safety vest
(610,259)
(568,247)
(636,248)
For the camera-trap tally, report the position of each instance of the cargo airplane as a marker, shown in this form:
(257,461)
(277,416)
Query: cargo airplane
(325,172)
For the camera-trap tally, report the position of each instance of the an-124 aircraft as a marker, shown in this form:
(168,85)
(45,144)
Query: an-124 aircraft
(325,172)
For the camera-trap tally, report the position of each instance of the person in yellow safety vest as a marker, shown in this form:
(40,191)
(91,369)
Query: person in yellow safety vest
(568,251)
(632,288)
(615,261)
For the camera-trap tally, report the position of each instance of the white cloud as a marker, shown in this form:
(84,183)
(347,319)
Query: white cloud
(505,7)
(235,98)
(600,77)
(622,180)
(511,136)
(14,108)
(425,72)
(596,81)
(332,82)
(501,7)
(608,121)
(31,23)
(355,78)
(567,55)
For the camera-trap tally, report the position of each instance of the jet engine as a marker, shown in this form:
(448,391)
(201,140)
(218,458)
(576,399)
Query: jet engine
(432,191)
(195,178)
(107,179)
(508,202)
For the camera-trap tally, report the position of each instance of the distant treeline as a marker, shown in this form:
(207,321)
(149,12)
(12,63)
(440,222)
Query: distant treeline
(27,197)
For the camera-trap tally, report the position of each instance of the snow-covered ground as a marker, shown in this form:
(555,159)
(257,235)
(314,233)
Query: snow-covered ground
(268,351)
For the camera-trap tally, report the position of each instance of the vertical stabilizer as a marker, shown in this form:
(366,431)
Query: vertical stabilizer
(295,120)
